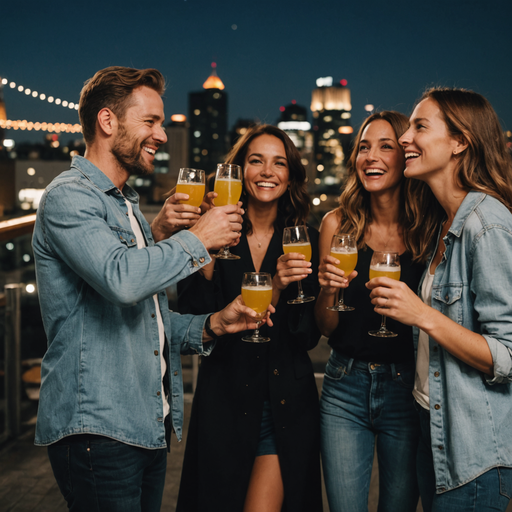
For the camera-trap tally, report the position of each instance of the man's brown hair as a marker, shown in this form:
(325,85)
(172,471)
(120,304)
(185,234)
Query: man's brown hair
(112,88)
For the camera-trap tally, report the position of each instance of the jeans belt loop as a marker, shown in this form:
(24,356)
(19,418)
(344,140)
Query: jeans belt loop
(349,366)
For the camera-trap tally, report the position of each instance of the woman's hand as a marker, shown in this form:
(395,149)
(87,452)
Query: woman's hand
(207,203)
(290,267)
(331,278)
(396,300)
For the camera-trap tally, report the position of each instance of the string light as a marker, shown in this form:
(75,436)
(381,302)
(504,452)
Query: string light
(45,127)
(29,92)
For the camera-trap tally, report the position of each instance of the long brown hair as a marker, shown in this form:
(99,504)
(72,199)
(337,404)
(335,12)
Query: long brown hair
(293,206)
(485,165)
(355,208)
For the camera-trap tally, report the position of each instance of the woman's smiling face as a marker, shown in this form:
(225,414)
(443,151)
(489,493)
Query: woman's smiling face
(266,173)
(429,147)
(380,159)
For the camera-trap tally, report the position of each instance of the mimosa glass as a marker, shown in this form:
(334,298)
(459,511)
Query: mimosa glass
(344,249)
(257,295)
(191,182)
(384,264)
(296,239)
(228,185)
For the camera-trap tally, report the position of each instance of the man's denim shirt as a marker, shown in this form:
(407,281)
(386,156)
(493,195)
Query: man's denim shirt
(470,412)
(101,373)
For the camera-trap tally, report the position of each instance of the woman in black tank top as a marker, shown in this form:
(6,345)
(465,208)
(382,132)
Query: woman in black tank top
(367,389)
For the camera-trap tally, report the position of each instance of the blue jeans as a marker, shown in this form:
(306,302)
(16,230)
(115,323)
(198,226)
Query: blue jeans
(361,401)
(490,491)
(96,473)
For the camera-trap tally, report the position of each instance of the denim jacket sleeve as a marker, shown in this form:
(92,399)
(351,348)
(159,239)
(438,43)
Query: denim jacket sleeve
(76,228)
(491,287)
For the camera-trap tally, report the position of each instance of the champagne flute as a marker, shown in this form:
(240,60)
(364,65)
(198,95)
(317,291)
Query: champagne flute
(228,185)
(296,239)
(384,264)
(257,295)
(344,249)
(191,182)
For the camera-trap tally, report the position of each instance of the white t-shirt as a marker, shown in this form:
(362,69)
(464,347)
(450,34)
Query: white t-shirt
(420,391)
(141,243)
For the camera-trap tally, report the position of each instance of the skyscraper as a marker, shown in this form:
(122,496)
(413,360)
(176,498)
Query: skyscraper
(330,104)
(294,122)
(3,114)
(208,118)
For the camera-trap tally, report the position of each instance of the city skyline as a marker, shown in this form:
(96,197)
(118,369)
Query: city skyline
(267,54)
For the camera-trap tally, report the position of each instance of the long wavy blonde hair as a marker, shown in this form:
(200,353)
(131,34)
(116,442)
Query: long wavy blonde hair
(419,213)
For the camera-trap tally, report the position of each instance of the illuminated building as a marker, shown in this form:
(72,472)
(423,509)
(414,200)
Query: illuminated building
(171,157)
(208,119)
(294,121)
(330,104)
(3,115)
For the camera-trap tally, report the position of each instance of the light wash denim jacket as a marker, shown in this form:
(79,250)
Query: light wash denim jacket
(470,412)
(101,373)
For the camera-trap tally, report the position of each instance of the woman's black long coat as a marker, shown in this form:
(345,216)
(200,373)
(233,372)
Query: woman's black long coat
(237,378)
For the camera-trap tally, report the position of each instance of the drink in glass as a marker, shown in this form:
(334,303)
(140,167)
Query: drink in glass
(191,182)
(384,264)
(344,249)
(257,295)
(296,239)
(229,191)
(228,186)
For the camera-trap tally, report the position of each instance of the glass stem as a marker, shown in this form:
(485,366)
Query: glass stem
(257,330)
(341,300)
(301,293)
(383,324)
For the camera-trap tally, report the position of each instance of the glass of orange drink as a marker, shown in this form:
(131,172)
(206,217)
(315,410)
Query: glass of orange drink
(384,264)
(228,186)
(191,182)
(296,239)
(344,249)
(257,295)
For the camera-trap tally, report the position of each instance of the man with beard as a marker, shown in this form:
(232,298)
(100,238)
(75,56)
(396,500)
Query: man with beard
(111,389)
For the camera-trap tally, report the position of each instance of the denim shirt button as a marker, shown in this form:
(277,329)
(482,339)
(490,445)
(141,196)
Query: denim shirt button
(156,352)
(159,419)
(176,373)
(158,393)
(152,315)
(441,447)
(436,374)
(201,260)
(446,298)
(437,407)
(435,348)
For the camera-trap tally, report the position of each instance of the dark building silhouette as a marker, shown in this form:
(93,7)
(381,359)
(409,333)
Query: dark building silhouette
(208,119)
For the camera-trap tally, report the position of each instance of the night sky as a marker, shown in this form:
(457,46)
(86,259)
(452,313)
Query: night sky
(267,52)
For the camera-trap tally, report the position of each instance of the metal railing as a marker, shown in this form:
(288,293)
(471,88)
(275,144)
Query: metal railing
(10,300)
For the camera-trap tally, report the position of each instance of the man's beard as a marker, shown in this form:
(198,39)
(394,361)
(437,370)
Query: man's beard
(128,152)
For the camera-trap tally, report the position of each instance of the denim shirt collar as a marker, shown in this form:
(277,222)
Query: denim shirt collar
(100,179)
(467,207)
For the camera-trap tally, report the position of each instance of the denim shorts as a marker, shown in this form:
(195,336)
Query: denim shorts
(267,442)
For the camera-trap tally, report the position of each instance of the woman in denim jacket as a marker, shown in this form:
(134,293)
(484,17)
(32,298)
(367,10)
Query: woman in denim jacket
(463,321)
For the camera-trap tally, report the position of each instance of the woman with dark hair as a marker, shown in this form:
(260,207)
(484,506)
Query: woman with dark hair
(463,317)
(366,394)
(253,441)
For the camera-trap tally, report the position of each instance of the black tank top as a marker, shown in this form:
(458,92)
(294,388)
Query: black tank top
(351,337)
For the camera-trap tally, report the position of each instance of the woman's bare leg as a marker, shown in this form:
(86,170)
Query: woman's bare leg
(265,493)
